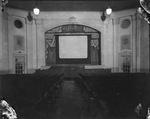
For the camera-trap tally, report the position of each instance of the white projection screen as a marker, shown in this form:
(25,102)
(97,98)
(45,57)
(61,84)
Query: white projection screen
(73,47)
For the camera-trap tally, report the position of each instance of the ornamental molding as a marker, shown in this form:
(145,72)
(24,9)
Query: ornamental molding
(72,20)
(125,52)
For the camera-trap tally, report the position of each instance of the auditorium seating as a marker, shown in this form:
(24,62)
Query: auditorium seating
(28,92)
(122,91)
(119,93)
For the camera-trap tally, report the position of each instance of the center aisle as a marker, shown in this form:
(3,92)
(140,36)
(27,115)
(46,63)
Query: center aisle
(71,105)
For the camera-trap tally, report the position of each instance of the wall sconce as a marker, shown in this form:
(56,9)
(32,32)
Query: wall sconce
(4,2)
(29,17)
(36,10)
(103,17)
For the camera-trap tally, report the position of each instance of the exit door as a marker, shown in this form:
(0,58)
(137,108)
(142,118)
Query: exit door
(19,65)
(125,64)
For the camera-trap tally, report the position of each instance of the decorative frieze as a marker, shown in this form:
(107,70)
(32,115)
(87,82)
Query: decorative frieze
(88,29)
(58,29)
(126,42)
(125,52)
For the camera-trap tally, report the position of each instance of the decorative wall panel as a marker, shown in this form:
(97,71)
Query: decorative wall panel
(19,43)
(50,50)
(18,23)
(126,42)
(125,23)
(73,28)
(94,51)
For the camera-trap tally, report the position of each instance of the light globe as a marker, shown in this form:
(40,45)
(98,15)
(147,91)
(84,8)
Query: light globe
(36,11)
(108,11)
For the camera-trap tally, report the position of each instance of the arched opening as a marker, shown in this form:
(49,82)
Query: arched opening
(73,44)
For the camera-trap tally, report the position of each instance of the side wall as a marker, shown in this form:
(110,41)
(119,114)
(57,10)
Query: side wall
(130,41)
(123,35)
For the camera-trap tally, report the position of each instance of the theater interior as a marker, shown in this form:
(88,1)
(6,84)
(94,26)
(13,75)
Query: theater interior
(75,59)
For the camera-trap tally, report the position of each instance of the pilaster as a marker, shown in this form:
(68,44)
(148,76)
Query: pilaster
(108,43)
(4,48)
(29,46)
(10,32)
(1,39)
(34,49)
(0,52)
(115,23)
(40,43)
(134,43)
(138,40)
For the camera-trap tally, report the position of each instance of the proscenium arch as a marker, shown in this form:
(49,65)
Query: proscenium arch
(52,44)
(91,25)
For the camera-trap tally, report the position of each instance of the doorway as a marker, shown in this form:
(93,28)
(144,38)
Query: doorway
(125,65)
(19,65)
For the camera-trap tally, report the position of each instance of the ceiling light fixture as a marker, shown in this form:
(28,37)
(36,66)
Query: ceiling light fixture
(36,10)
(108,10)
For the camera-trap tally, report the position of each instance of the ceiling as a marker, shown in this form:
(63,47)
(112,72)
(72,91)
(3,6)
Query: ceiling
(72,5)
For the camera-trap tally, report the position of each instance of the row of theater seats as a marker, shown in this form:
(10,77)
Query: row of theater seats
(121,92)
(30,93)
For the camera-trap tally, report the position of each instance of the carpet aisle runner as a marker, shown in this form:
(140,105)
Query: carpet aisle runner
(71,105)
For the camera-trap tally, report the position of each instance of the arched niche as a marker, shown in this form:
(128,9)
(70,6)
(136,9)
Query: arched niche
(72,44)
